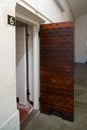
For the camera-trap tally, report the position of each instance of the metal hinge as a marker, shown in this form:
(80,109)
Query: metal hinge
(39,33)
(28,94)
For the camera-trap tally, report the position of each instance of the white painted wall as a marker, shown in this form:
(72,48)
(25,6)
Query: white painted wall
(21,75)
(9,116)
(81,39)
(49,10)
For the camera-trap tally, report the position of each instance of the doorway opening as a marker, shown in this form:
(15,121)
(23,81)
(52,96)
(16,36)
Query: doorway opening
(23,72)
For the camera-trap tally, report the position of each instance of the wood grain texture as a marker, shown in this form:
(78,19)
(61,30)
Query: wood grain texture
(57,26)
(57,69)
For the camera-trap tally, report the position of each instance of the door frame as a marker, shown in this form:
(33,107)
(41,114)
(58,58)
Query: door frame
(36,52)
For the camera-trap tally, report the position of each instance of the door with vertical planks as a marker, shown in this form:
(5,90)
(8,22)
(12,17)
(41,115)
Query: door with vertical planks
(57,69)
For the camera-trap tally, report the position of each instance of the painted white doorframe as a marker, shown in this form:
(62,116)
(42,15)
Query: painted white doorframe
(36,57)
(36,67)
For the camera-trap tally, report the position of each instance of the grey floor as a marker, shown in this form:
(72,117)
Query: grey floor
(46,122)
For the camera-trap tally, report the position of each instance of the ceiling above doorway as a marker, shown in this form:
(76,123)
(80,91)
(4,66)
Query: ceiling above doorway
(78,7)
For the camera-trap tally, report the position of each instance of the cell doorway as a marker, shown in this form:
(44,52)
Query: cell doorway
(24,69)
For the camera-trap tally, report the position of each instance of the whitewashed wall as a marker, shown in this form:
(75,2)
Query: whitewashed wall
(81,39)
(50,10)
(9,116)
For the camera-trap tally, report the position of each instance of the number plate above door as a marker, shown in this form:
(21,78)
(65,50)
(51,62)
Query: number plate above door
(11,20)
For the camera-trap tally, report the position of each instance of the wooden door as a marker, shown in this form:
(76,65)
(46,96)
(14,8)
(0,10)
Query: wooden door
(57,69)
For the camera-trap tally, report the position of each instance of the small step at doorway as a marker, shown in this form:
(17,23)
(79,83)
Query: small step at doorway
(24,111)
(28,119)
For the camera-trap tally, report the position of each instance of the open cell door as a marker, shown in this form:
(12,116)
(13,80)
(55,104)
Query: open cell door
(57,69)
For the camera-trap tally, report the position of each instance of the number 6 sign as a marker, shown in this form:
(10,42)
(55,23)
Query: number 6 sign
(11,20)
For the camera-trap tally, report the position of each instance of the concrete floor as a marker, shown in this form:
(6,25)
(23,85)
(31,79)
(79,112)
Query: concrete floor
(46,122)
(80,84)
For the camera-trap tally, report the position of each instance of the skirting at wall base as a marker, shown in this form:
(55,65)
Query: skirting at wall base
(80,60)
(12,123)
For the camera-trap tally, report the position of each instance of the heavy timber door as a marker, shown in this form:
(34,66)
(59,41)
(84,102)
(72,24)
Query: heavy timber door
(57,69)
